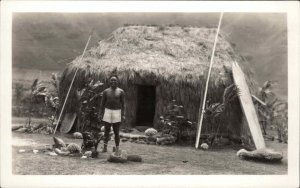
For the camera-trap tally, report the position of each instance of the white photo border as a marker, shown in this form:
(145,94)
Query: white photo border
(10,180)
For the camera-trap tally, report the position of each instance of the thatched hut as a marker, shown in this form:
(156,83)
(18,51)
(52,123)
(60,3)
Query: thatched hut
(156,64)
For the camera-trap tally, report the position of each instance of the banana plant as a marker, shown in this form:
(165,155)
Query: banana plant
(88,115)
(275,111)
(215,113)
(265,92)
(38,94)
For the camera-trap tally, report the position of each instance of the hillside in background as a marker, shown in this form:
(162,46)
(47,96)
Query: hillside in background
(47,41)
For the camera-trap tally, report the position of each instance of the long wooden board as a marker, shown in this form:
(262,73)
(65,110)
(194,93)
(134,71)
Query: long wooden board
(248,106)
(68,122)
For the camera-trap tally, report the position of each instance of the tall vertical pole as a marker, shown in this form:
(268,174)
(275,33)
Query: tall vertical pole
(206,86)
(62,109)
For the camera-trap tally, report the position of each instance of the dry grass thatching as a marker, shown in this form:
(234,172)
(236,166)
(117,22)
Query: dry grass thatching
(174,59)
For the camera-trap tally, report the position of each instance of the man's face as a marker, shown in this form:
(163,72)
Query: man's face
(113,82)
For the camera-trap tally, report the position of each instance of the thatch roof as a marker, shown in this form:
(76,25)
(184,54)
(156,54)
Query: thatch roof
(175,54)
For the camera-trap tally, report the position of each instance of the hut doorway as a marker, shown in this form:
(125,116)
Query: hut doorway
(145,105)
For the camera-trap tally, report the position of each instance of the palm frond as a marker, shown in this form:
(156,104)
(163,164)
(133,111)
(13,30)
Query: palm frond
(97,84)
(55,81)
(230,93)
(34,84)
(269,84)
(54,76)
(40,89)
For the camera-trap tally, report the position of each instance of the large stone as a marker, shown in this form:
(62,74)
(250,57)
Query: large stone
(204,146)
(16,127)
(166,140)
(77,135)
(150,132)
(265,154)
(131,136)
(21,130)
(134,158)
(121,158)
(58,143)
(74,148)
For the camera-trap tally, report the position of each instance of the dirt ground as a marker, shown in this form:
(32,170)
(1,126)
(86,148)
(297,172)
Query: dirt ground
(168,160)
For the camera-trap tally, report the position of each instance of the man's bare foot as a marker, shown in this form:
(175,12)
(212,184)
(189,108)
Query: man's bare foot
(117,152)
(104,149)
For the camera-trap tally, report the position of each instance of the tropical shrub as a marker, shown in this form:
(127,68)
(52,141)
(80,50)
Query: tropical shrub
(44,97)
(216,114)
(175,123)
(274,113)
(89,99)
(18,95)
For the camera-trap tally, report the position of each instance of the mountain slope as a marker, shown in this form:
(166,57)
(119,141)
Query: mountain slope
(47,41)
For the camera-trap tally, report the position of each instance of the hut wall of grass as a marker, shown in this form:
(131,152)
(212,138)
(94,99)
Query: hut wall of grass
(175,60)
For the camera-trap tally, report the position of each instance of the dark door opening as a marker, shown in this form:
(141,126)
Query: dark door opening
(145,105)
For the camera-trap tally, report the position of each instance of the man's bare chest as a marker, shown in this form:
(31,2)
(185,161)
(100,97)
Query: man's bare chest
(113,95)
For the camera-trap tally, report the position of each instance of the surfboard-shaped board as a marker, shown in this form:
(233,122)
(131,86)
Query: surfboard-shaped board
(248,106)
(68,122)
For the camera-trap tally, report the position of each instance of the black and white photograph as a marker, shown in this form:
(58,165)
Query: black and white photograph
(162,93)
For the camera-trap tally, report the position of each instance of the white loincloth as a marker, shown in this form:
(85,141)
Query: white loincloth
(112,116)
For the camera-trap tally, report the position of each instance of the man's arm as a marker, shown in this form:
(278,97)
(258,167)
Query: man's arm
(123,104)
(102,104)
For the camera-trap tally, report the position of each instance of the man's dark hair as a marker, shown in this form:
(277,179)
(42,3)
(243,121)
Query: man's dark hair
(114,75)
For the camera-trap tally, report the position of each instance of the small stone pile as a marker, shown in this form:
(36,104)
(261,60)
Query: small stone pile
(151,137)
(42,128)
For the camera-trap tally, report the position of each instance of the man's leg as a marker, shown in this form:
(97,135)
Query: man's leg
(106,135)
(116,128)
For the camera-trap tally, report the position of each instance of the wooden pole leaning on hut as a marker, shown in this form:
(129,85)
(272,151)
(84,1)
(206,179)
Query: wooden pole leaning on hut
(62,109)
(201,111)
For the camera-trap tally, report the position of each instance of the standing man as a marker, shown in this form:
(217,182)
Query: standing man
(112,111)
